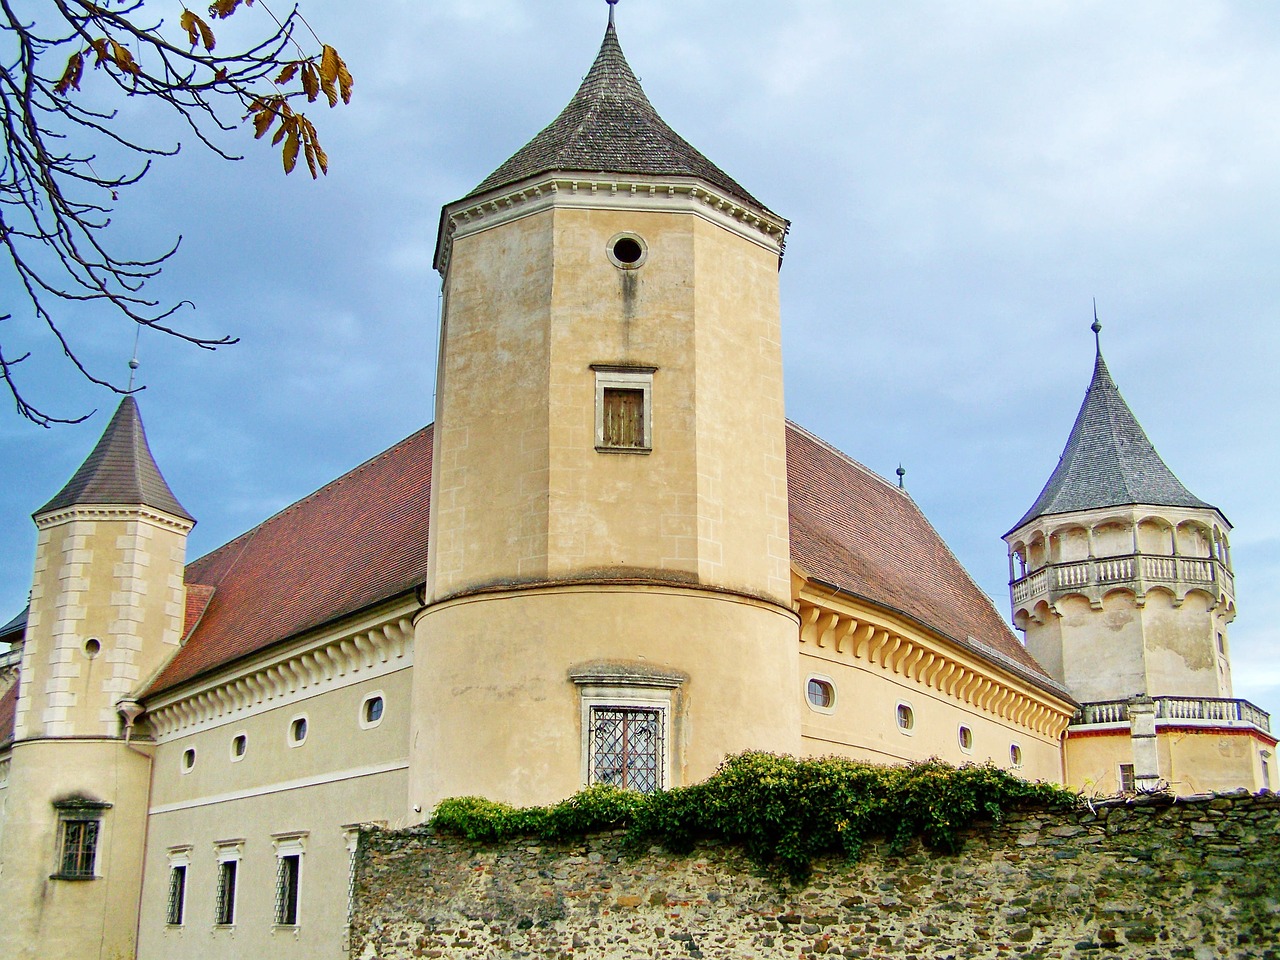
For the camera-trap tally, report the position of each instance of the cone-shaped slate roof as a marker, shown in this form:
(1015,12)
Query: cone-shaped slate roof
(1108,460)
(120,471)
(610,127)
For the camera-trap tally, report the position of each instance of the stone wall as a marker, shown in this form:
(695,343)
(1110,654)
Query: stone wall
(1149,878)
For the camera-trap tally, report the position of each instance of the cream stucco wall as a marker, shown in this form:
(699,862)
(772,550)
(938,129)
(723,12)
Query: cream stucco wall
(346,771)
(1191,760)
(497,714)
(46,917)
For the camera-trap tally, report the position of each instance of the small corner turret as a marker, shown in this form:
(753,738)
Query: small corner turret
(107,605)
(1121,580)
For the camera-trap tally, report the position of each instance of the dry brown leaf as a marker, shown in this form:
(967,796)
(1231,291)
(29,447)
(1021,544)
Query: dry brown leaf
(71,76)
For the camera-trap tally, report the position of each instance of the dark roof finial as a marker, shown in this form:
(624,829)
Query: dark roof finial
(612,4)
(1096,327)
(901,471)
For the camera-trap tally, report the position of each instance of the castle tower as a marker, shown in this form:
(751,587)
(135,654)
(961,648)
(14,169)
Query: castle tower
(608,587)
(106,612)
(1121,580)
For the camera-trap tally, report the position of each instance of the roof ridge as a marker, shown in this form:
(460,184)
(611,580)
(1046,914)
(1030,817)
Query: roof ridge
(248,535)
(902,491)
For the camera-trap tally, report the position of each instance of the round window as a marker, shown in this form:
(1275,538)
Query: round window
(1015,755)
(373,710)
(298,730)
(627,251)
(966,739)
(92,648)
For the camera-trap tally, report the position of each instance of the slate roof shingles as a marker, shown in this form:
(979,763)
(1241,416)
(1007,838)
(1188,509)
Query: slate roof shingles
(1108,460)
(611,127)
(120,470)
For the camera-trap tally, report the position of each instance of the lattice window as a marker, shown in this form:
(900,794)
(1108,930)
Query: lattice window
(177,894)
(288,870)
(225,906)
(79,848)
(626,747)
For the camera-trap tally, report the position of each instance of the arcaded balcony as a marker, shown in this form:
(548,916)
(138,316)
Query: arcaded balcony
(1135,553)
(1173,711)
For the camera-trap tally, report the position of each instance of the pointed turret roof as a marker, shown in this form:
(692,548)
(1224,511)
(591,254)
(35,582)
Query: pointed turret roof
(610,127)
(1108,460)
(120,470)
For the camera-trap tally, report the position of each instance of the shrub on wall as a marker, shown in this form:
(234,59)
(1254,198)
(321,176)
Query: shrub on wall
(783,811)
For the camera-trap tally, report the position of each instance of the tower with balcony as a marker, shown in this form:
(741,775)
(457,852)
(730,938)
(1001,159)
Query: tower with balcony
(1121,581)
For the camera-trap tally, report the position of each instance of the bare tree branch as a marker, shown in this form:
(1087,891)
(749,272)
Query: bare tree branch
(55,204)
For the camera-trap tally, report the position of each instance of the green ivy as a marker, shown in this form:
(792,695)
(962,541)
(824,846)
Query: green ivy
(782,811)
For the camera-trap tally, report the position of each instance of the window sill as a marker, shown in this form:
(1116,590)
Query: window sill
(640,450)
(72,876)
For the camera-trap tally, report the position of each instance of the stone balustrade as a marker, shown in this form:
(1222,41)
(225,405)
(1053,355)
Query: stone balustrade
(1138,571)
(1204,710)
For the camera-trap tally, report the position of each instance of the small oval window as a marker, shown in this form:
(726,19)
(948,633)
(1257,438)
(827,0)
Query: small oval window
(92,648)
(298,730)
(239,744)
(906,717)
(1015,755)
(188,759)
(821,693)
(966,739)
(373,710)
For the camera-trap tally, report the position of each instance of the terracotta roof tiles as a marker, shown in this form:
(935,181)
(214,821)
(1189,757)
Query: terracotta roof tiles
(354,542)
(363,538)
(852,529)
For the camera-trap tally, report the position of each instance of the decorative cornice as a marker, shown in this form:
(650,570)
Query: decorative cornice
(328,662)
(879,644)
(643,194)
(112,512)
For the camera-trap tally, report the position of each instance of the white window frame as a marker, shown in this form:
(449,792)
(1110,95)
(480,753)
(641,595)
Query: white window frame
(179,859)
(622,687)
(231,746)
(821,678)
(288,731)
(908,731)
(614,377)
(1021,760)
(364,706)
(960,732)
(227,851)
(293,844)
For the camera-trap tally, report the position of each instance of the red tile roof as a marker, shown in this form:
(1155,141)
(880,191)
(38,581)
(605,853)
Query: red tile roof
(354,542)
(363,538)
(852,529)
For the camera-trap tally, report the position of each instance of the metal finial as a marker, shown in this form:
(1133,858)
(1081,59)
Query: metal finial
(612,4)
(1096,327)
(901,473)
(133,361)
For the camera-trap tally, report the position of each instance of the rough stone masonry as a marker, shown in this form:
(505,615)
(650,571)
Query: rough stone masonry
(1144,878)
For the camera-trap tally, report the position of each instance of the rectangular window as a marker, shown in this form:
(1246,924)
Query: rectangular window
(626,747)
(225,908)
(624,413)
(1265,756)
(288,868)
(79,848)
(1127,782)
(177,894)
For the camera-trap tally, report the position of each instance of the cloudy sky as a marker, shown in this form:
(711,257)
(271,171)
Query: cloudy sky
(962,178)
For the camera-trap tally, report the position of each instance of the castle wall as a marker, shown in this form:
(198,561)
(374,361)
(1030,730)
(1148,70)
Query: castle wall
(275,796)
(1144,880)
(1192,760)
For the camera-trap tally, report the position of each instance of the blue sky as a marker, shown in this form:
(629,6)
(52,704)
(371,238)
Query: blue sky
(962,179)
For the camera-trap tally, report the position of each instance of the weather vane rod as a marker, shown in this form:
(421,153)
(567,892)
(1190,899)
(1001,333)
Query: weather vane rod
(1096,327)
(612,4)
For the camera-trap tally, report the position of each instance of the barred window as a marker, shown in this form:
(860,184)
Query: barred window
(79,848)
(626,747)
(288,868)
(177,894)
(225,907)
